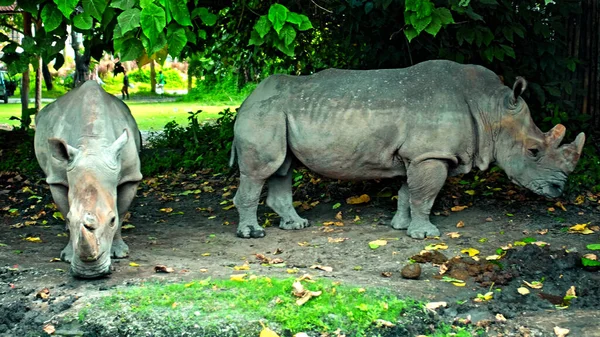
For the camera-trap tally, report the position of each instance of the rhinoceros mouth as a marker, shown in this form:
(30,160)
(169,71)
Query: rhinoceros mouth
(548,189)
(89,270)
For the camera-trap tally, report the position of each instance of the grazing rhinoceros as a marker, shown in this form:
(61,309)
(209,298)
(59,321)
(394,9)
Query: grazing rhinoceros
(426,122)
(87,143)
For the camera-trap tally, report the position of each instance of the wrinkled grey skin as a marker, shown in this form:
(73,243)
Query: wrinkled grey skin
(87,143)
(426,122)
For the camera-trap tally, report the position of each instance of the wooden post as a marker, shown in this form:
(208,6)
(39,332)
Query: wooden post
(152,77)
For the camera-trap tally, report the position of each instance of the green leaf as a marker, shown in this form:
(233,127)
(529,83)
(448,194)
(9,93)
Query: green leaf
(51,17)
(207,17)
(153,23)
(191,37)
(420,23)
(410,33)
(444,15)
(546,2)
(201,34)
(412,5)
(83,21)
(129,20)
(277,15)
(66,6)
(59,61)
(95,8)
(593,246)
(28,43)
(571,65)
(336,205)
(180,12)
(176,39)
(255,39)
(294,18)
(288,34)
(589,262)
(262,26)
(508,50)
(132,49)
(122,4)
(554,91)
(434,26)
(473,15)
(368,7)
(425,10)
(508,33)
(154,47)
(488,53)
(146,3)
(464,3)
(306,24)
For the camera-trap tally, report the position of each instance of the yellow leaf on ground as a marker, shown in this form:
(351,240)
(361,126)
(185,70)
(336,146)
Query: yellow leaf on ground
(493,257)
(534,284)
(523,291)
(453,235)
(33,239)
(471,251)
(579,227)
(458,208)
(336,240)
(483,298)
(500,318)
(297,203)
(245,266)
(561,332)
(356,219)
(560,205)
(460,224)
(128,226)
(459,284)
(377,243)
(571,292)
(133,264)
(339,215)
(591,257)
(470,192)
(166,210)
(266,332)
(323,268)
(303,244)
(436,246)
(238,277)
(358,200)
(334,223)
(226,208)
(49,329)
(579,200)
(435,305)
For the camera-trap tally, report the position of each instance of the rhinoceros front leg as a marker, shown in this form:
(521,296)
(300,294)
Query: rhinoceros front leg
(246,202)
(125,194)
(425,180)
(401,219)
(280,199)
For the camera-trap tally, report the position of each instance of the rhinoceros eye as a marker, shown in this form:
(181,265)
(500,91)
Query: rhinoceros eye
(534,152)
(113,221)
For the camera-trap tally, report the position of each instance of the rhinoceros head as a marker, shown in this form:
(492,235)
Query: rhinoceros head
(531,158)
(93,217)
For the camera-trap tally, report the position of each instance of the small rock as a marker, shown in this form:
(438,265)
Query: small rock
(411,271)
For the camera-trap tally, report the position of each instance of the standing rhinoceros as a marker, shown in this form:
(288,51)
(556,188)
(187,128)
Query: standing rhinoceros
(426,122)
(87,143)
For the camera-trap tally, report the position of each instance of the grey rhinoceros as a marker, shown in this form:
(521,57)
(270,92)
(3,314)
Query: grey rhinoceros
(87,144)
(425,122)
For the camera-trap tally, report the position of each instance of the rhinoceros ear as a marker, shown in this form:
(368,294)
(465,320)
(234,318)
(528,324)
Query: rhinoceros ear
(61,150)
(518,88)
(118,145)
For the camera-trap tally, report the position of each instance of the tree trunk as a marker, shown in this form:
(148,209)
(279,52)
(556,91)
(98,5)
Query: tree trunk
(38,86)
(25,117)
(152,78)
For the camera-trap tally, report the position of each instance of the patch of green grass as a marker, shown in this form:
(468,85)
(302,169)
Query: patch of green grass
(222,302)
(149,115)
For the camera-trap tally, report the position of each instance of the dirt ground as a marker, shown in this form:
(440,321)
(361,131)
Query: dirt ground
(183,221)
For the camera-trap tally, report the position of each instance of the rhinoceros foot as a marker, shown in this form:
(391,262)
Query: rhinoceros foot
(119,249)
(250,231)
(67,253)
(294,223)
(422,229)
(401,220)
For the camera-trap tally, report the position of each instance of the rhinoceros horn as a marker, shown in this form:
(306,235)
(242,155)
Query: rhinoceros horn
(88,245)
(555,136)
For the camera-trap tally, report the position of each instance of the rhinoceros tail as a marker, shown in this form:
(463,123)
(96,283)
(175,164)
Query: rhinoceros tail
(232,157)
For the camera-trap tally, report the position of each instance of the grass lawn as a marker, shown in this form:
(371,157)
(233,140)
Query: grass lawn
(149,116)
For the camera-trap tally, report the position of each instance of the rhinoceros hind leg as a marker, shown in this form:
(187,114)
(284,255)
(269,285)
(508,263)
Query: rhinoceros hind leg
(246,202)
(425,180)
(119,248)
(280,198)
(67,253)
(401,219)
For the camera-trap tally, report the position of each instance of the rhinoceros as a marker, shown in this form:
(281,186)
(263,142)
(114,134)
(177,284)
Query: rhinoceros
(425,122)
(87,143)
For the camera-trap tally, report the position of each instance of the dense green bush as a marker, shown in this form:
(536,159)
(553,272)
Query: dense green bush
(225,90)
(195,146)
(172,76)
(17,153)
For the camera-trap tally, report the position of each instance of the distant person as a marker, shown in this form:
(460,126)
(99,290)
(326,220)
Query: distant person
(125,89)
(160,87)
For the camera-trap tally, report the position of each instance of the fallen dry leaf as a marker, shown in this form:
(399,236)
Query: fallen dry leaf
(163,269)
(49,329)
(305,295)
(43,294)
(561,332)
(542,231)
(303,244)
(133,264)
(435,305)
(323,268)
(458,208)
(571,292)
(377,243)
(591,257)
(436,246)
(339,215)
(358,200)
(386,274)
(245,266)
(238,277)
(266,332)
(560,205)
(384,323)
(460,224)
(34,239)
(336,240)
(534,284)
(166,210)
(500,318)
(523,291)
(581,228)
(493,257)
(334,223)
(453,235)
